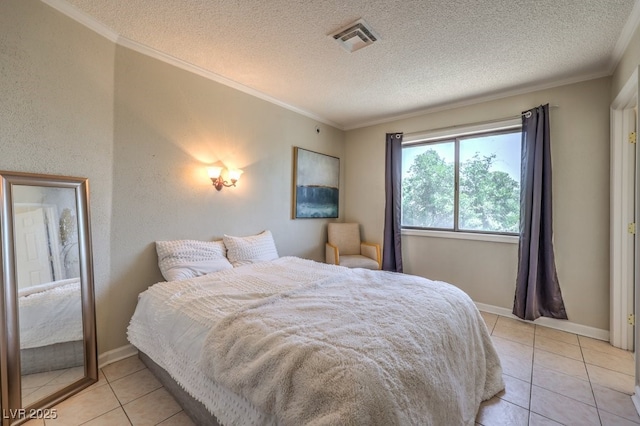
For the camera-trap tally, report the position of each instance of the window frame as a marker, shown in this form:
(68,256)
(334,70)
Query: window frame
(455,135)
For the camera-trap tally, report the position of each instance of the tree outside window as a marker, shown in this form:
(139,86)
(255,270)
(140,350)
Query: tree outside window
(469,183)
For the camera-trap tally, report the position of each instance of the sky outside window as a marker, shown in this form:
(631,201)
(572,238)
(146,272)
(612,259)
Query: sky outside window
(505,146)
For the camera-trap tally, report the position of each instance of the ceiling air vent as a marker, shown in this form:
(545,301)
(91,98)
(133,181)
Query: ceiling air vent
(355,36)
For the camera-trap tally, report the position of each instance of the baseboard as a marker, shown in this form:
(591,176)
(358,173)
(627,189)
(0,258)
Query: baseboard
(636,399)
(116,355)
(562,325)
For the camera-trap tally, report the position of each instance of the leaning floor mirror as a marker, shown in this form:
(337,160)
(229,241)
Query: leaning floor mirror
(48,335)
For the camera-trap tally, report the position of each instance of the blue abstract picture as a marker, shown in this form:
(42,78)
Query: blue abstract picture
(316,185)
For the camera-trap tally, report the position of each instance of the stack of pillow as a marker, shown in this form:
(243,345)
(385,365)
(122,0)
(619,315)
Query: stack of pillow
(183,259)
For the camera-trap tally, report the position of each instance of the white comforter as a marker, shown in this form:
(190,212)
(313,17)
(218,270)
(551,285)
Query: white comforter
(50,313)
(313,343)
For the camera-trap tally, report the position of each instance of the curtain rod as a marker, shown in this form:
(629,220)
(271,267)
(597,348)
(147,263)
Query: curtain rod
(477,123)
(528,113)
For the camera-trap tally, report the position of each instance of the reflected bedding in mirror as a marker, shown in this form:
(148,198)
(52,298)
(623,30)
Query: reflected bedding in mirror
(50,313)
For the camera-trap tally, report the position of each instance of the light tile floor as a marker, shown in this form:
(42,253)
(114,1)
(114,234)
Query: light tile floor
(36,386)
(126,394)
(552,377)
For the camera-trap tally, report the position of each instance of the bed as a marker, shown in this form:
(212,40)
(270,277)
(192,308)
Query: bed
(292,341)
(51,326)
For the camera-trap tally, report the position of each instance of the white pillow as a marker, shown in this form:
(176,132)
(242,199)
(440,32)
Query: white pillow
(252,249)
(182,259)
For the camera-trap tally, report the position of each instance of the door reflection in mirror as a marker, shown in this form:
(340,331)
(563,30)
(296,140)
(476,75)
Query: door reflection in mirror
(45,234)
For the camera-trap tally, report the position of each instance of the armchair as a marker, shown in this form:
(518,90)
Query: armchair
(345,248)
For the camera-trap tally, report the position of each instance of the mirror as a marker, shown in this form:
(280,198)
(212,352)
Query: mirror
(48,342)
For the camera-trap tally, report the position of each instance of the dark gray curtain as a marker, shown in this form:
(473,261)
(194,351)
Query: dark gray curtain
(392,247)
(537,288)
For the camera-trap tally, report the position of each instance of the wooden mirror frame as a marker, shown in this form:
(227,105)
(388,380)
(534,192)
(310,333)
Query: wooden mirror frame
(13,412)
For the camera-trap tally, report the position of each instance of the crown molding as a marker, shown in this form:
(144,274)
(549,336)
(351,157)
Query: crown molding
(478,100)
(103,30)
(82,18)
(629,28)
(187,66)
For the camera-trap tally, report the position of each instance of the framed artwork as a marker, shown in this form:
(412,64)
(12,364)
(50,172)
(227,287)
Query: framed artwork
(316,183)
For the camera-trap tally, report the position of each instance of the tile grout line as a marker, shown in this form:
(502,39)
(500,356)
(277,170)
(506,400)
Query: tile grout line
(531,384)
(137,398)
(528,409)
(533,359)
(118,399)
(109,383)
(171,416)
(493,327)
(593,393)
(114,394)
(583,361)
(585,368)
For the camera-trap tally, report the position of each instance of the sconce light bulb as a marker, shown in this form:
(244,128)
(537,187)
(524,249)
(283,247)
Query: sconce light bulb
(234,174)
(214,172)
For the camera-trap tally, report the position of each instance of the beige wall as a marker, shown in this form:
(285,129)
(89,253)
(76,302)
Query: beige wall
(170,124)
(56,113)
(486,270)
(143,131)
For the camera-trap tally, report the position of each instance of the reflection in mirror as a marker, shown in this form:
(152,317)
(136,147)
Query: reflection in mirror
(47,338)
(49,297)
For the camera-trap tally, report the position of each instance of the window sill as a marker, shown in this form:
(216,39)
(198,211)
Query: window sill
(494,238)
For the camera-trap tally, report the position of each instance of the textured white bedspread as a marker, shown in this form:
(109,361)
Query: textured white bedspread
(312,343)
(50,313)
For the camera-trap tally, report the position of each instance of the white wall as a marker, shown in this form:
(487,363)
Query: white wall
(487,270)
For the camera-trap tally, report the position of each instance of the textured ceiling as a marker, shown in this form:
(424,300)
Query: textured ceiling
(430,53)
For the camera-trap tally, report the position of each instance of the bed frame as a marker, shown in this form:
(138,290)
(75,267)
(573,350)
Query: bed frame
(193,408)
(58,356)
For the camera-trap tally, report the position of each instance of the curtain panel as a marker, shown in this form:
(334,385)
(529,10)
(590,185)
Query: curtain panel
(392,244)
(537,287)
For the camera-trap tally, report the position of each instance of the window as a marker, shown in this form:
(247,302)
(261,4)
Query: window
(467,183)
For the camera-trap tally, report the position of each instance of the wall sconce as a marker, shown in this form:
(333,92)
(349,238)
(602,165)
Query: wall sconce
(215,174)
